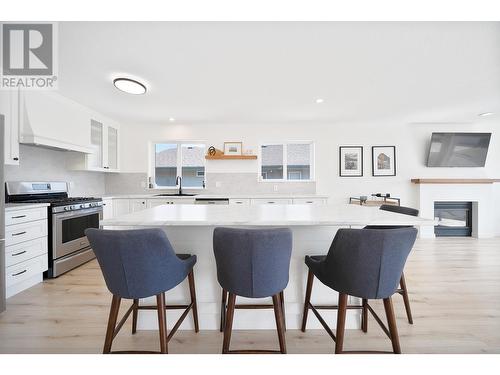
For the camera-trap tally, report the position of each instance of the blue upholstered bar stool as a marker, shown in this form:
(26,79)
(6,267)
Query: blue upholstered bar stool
(365,263)
(403,289)
(253,263)
(138,264)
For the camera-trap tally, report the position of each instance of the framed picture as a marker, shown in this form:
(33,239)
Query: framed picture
(351,161)
(232,148)
(384,160)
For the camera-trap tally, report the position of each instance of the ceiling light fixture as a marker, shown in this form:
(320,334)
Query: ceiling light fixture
(319,100)
(171,119)
(130,86)
(484,114)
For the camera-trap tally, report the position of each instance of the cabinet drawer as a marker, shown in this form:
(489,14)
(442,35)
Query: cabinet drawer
(309,201)
(271,201)
(239,201)
(25,250)
(18,233)
(24,216)
(25,270)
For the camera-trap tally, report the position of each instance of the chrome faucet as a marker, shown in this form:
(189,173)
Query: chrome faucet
(178,181)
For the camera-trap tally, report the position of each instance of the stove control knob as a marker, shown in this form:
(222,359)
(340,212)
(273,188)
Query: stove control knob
(82,206)
(66,208)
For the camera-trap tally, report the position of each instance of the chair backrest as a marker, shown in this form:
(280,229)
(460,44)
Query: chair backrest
(253,263)
(136,263)
(400,209)
(367,263)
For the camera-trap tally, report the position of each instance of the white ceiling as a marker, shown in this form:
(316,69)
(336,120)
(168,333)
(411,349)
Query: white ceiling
(254,72)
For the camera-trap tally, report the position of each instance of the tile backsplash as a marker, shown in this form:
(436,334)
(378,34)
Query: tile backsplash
(217,183)
(41,164)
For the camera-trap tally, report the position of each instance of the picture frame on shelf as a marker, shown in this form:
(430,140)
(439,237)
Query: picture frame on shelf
(233,148)
(351,161)
(383,161)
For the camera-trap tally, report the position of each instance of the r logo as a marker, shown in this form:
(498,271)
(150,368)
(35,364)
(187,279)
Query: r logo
(27,49)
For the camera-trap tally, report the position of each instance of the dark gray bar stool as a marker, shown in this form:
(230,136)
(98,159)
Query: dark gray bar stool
(403,289)
(253,263)
(138,264)
(365,263)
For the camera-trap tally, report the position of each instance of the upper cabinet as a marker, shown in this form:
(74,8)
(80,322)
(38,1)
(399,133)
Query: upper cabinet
(51,120)
(104,143)
(9,107)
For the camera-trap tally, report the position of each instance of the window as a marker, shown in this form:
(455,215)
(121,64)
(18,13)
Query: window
(293,160)
(172,159)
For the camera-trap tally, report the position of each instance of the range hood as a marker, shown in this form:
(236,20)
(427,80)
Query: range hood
(50,120)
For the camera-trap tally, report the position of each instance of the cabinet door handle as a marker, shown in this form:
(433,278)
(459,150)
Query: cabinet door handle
(18,234)
(271,202)
(18,217)
(19,273)
(309,202)
(16,159)
(19,253)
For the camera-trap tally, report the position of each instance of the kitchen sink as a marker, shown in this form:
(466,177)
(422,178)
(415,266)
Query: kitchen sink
(175,195)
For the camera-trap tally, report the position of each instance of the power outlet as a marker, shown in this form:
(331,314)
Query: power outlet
(275,187)
(218,184)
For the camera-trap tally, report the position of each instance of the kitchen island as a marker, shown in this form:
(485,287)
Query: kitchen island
(190,229)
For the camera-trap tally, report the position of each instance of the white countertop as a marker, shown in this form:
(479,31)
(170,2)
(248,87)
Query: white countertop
(23,206)
(215,196)
(265,215)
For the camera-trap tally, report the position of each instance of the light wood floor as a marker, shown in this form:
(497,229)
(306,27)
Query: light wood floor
(454,290)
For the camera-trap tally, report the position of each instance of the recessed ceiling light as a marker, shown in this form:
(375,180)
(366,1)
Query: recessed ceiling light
(319,100)
(486,114)
(171,119)
(130,86)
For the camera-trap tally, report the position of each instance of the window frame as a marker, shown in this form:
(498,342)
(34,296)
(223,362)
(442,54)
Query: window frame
(312,172)
(152,164)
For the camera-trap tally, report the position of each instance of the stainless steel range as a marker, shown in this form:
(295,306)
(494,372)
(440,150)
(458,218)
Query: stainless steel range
(68,217)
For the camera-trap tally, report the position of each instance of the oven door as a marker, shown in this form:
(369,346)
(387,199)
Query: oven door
(68,230)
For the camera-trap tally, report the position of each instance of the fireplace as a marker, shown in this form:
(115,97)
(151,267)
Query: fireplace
(454,219)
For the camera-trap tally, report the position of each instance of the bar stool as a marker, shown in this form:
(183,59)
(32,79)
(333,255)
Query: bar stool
(138,264)
(365,263)
(253,263)
(403,289)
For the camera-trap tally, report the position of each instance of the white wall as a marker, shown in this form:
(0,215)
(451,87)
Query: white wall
(411,141)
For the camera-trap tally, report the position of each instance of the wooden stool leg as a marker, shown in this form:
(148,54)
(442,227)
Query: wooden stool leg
(278,314)
(134,316)
(192,291)
(391,320)
(162,322)
(406,299)
(310,279)
(364,316)
(282,303)
(110,331)
(223,311)
(229,323)
(339,343)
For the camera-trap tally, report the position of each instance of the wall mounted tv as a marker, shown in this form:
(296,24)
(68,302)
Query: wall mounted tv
(458,149)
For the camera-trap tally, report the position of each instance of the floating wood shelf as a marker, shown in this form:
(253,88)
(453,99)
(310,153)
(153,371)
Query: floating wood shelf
(230,157)
(454,180)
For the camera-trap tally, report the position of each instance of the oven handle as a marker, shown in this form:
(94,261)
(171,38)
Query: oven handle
(84,212)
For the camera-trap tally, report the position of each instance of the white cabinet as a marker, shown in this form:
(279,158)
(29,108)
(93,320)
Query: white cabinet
(313,201)
(161,201)
(9,107)
(104,140)
(137,205)
(107,208)
(242,202)
(26,247)
(120,207)
(271,201)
